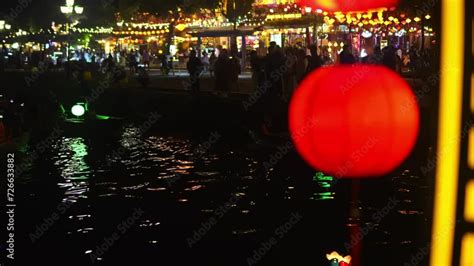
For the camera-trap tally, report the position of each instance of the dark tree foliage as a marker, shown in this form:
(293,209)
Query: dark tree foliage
(235,9)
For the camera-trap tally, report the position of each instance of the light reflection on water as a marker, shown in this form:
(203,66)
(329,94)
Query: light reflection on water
(73,168)
(179,189)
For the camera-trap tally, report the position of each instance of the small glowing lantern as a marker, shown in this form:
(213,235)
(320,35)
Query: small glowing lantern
(335,259)
(354,121)
(78,110)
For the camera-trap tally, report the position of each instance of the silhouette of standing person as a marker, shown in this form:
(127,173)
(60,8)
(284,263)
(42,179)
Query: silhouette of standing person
(194,67)
(346,57)
(222,72)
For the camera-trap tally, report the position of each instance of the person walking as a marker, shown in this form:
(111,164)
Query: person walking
(301,65)
(275,70)
(212,62)
(314,61)
(289,79)
(146,59)
(235,71)
(194,67)
(346,57)
(132,62)
(390,58)
(222,66)
(205,62)
(258,71)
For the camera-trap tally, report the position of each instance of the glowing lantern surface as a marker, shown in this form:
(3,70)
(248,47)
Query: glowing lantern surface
(354,121)
(345,5)
(78,110)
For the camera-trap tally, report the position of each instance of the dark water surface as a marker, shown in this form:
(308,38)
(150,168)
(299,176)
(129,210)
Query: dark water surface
(182,198)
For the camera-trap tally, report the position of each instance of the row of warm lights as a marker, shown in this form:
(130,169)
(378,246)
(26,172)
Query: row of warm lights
(283,16)
(286,31)
(186,39)
(208,23)
(353,18)
(154,32)
(145,26)
(325,28)
(93,30)
(136,41)
(256,24)
(380,20)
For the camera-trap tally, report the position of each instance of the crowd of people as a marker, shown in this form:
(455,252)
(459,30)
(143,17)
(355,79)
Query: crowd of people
(277,70)
(225,68)
(28,59)
(280,68)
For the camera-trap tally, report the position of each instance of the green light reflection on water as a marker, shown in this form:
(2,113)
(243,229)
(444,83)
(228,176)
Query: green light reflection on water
(325,182)
(76,168)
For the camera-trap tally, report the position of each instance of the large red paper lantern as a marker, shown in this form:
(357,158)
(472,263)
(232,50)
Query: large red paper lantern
(354,121)
(347,5)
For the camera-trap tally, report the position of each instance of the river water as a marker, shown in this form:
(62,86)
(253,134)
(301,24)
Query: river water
(207,198)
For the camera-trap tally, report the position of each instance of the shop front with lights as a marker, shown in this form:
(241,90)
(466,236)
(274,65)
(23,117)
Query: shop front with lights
(142,36)
(289,24)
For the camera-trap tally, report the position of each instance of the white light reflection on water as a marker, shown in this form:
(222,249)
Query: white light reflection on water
(70,160)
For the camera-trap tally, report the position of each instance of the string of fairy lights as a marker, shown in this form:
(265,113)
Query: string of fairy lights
(266,17)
